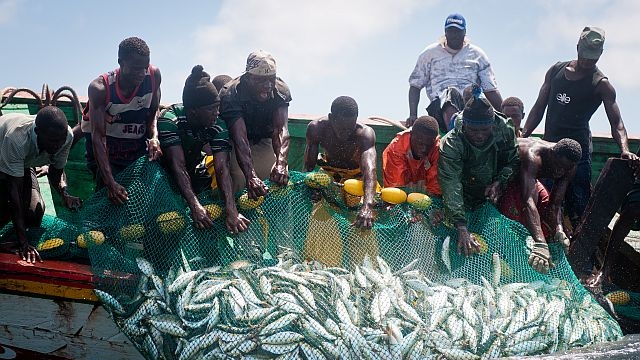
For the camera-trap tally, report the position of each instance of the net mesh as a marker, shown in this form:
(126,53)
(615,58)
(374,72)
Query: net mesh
(302,282)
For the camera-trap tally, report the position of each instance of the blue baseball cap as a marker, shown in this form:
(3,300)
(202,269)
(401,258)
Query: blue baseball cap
(455,20)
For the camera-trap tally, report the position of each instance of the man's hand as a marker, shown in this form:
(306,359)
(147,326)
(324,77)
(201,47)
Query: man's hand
(279,174)
(71,202)
(540,258)
(256,188)
(200,217)
(493,192)
(153,147)
(467,243)
(437,216)
(28,253)
(365,218)
(42,170)
(237,223)
(410,120)
(117,193)
(563,239)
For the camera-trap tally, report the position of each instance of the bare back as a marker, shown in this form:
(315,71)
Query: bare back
(342,153)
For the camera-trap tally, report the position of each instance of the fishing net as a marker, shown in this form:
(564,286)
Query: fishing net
(303,282)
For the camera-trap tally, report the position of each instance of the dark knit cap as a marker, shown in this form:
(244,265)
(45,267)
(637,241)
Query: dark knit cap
(198,90)
(478,110)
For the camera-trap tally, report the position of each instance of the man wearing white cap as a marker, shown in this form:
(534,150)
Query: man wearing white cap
(445,68)
(255,107)
(572,91)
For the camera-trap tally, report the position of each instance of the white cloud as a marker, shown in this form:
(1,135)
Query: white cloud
(8,8)
(309,40)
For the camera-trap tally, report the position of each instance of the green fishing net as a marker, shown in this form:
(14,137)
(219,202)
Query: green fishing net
(303,283)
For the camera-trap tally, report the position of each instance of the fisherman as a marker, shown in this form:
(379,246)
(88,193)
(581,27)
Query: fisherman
(411,159)
(122,117)
(445,68)
(477,160)
(350,151)
(28,141)
(527,201)
(572,91)
(513,108)
(255,107)
(184,131)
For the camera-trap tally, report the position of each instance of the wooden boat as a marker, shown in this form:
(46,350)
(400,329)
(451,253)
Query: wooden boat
(49,311)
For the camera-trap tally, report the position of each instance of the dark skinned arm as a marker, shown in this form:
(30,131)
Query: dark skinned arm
(312,147)
(280,142)
(177,163)
(494,98)
(414,100)
(535,115)
(368,169)
(58,181)
(235,221)
(16,205)
(530,198)
(153,145)
(255,186)
(557,197)
(97,95)
(618,131)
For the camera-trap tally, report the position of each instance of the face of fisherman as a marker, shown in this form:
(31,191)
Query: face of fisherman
(515,113)
(50,142)
(477,135)
(262,86)
(455,37)
(204,116)
(133,69)
(561,167)
(421,142)
(342,125)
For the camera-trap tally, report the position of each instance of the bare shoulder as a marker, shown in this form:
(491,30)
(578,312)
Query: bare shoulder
(315,127)
(157,74)
(97,89)
(366,133)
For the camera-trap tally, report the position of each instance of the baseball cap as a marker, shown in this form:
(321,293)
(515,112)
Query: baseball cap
(261,63)
(455,20)
(591,43)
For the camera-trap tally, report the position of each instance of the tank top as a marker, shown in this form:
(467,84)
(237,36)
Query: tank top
(571,104)
(126,131)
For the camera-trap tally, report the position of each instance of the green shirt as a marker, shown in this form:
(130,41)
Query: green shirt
(174,130)
(465,171)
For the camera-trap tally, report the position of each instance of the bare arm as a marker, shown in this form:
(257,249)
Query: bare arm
(557,197)
(530,198)
(152,122)
(175,154)
(414,100)
(280,142)
(235,222)
(16,206)
(97,114)
(255,186)
(57,180)
(537,110)
(494,98)
(618,131)
(368,169)
(312,146)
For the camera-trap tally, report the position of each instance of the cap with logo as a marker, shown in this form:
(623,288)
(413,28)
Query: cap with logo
(261,63)
(591,43)
(455,20)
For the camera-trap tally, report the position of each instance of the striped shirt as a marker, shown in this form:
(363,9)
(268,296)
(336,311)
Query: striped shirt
(19,146)
(174,130)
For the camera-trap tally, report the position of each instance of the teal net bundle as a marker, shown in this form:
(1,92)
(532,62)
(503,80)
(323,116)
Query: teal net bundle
(303,283)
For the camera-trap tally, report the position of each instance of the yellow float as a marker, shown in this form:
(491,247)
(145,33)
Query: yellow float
(170,222)
(246,203)
(393,195)
(317,180)
(419,201)
(50,244)
(94,237)
(354,187)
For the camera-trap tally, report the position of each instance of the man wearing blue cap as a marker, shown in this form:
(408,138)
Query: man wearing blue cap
(572,91)
(477,160)
(445,68)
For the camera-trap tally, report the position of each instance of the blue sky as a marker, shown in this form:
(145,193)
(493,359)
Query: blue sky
(324,49)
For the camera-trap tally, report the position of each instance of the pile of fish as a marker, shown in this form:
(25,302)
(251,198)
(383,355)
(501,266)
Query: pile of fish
(307,311)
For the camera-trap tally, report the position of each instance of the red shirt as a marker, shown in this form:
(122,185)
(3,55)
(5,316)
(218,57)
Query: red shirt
(399,168)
